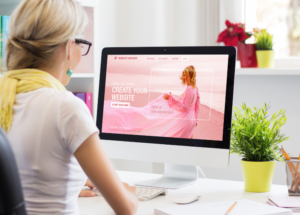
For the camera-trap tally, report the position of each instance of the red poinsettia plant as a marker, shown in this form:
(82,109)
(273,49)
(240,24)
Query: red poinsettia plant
(233,34)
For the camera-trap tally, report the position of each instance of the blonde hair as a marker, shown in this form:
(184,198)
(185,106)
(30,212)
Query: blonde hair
(191,74)
(38,28)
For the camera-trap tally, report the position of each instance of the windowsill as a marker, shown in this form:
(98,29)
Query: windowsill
(290,67)
(267,71)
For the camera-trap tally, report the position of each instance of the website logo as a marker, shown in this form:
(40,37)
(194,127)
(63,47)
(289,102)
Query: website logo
(116,57)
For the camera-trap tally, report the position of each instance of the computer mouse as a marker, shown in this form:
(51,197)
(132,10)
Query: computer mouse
(186,198)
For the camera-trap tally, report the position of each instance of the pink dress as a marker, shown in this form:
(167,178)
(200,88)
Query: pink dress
(172,118)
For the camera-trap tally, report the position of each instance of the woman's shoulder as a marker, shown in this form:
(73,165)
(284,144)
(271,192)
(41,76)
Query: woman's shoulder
(46,93)
(57,94)
(70,101)
(65,99)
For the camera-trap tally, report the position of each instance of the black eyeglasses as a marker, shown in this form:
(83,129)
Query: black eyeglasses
(85,46)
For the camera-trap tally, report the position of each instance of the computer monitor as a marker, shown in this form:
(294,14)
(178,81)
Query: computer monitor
(187,128)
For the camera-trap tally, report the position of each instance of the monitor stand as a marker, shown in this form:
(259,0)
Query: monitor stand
(175,176)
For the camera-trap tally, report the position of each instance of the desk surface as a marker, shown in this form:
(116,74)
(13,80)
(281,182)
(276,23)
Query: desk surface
(210,190)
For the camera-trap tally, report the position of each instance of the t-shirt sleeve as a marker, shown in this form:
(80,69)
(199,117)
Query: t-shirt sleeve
(76,122)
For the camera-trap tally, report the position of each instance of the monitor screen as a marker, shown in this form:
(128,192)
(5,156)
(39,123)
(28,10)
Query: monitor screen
(173,96)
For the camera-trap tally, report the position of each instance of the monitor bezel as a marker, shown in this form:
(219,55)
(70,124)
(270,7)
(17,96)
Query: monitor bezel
(197,50)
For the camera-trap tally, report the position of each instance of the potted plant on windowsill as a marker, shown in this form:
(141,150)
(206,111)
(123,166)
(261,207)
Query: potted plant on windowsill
(256,137)
(235,35)
(264,46)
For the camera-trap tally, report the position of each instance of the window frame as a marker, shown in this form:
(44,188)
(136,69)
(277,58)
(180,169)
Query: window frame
(234,10)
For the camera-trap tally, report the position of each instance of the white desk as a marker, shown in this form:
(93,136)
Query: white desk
(209,189)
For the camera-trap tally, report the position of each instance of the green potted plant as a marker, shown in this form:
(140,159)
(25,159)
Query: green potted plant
(264,49)
(256,137)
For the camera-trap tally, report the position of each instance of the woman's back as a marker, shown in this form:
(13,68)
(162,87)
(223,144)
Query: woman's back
(45,133)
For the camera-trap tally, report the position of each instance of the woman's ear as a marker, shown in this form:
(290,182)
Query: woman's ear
(70,48)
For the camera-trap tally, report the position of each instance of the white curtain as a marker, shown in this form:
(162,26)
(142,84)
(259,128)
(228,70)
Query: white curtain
(159,22)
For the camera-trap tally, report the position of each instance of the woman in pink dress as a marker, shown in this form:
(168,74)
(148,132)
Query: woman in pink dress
(165,116)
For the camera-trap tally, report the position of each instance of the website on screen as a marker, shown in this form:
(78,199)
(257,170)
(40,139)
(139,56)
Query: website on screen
(180,96)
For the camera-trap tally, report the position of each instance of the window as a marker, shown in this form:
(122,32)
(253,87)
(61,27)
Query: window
(281,18)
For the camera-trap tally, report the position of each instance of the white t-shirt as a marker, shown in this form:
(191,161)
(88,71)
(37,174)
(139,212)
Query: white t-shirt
(48,127)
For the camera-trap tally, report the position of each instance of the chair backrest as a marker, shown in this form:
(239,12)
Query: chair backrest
(11,195)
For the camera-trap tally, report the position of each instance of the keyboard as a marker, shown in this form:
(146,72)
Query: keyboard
(147,193)
(142,193)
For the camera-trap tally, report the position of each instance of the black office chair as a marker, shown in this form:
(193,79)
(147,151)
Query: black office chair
(11,195)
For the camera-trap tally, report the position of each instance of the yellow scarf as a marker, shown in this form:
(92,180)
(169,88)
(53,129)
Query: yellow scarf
(21,81)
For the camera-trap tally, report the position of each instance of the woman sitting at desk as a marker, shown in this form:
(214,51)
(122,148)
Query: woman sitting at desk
(52,132)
